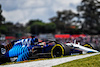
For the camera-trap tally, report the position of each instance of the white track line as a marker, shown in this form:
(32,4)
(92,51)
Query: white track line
(50,62)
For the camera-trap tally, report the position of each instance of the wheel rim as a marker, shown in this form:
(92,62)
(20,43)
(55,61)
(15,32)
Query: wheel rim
(57,51)
(88,46)
(3,50)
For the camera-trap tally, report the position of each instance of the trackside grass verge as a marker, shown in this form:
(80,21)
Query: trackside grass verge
(93,61)
(7,63)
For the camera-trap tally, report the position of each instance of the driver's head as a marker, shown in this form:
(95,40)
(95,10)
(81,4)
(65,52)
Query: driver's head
(35,40)
(33,36)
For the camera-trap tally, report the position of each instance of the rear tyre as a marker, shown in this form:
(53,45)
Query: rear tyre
(3,58)
(2,50)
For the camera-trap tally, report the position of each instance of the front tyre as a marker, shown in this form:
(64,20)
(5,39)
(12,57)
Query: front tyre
(88,46)
(60,50)
(57,51)
(91,45)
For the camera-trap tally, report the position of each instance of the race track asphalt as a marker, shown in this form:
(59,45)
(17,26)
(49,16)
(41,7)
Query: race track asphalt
(50,62)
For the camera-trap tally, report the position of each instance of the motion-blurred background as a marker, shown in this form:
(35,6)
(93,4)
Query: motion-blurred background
(23,18)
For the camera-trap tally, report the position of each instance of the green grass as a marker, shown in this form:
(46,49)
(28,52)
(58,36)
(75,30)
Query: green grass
(7,63)
(93,61)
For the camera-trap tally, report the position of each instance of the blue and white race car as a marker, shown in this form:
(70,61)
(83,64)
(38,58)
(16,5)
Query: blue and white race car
(30,48)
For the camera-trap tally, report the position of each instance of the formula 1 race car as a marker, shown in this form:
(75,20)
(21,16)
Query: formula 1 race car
(86,48)
(26,49)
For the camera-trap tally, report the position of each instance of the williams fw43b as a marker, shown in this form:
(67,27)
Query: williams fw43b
(27,49)
(30,48)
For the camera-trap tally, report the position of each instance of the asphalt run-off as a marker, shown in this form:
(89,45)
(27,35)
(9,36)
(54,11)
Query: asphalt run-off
(50,62)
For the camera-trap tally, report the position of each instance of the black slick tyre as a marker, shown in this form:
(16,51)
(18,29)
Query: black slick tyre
(60,50)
